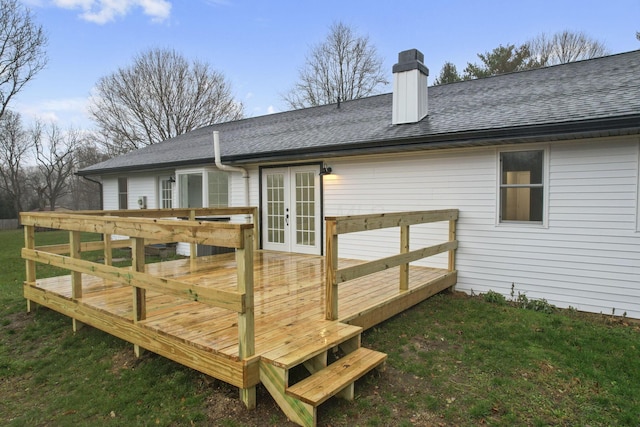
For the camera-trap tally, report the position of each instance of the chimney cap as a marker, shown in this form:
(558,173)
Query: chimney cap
(411,59)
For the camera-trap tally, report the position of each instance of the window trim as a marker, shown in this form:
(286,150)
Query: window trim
(545,187)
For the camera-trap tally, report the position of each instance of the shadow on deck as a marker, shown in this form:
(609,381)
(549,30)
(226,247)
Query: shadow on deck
(247,317)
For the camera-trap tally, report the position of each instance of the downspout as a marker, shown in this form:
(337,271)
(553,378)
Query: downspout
(100,185)
(219,165)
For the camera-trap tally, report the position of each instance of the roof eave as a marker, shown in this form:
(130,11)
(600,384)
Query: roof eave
(610,126)
(627,125)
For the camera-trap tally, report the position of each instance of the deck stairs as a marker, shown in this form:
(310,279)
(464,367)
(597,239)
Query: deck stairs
(328,357)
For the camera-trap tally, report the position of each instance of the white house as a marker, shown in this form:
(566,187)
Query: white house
(543,166)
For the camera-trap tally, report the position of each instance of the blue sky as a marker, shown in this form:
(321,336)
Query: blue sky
(261,45)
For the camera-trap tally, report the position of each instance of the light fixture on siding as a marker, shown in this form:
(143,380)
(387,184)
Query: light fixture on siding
(172,179)
(325,170)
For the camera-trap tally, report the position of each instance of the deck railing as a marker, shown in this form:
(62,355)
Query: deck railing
(145,227)
(351,224)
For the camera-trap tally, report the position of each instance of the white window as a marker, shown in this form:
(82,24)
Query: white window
(199,188)
(522,192)
(218,189)
(166,193)
(122,193)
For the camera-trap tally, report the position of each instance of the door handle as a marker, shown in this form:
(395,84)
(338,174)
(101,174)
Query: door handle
(286,217)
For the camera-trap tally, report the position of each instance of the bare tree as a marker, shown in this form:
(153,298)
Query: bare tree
(22,54)
(15,148)
(160,96)
(343,67)
(55,161)
(565,46)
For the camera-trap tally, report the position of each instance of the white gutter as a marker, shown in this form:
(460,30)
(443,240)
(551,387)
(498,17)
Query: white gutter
(227,168)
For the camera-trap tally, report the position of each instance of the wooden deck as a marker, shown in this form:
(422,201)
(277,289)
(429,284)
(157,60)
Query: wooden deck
(288,291)
(288,315)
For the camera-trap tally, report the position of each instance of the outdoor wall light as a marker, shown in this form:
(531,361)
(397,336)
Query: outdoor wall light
(172,179)
(325,170)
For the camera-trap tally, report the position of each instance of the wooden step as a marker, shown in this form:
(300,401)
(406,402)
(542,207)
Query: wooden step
(313,339)
(331,380)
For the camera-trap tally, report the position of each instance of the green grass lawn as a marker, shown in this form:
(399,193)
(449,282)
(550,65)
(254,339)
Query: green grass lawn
(453,361)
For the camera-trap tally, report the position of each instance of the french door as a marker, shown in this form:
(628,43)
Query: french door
(291,209)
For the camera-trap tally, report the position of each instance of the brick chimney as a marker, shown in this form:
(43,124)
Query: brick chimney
(409,88)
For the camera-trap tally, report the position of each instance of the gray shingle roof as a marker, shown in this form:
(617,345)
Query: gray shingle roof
(593,97)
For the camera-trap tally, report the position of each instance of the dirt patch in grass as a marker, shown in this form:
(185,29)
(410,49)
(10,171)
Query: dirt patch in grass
(125,359)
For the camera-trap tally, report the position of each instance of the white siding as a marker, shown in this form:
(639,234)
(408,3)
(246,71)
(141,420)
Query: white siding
(143,185)
(110,193)
(587,257)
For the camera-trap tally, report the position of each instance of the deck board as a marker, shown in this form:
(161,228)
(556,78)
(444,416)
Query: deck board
(289,299)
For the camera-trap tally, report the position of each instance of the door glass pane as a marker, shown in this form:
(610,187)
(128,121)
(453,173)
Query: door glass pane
(190,190)
(305,209)
(275,208)
(166,194)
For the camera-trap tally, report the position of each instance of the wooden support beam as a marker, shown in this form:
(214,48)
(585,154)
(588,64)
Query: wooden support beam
(193,247)
(331,265)
(452,237)
(256,228)
(246,320)
(139,294)
(404,248)
(30,265)
(76,276)
(108,250)
(30,243)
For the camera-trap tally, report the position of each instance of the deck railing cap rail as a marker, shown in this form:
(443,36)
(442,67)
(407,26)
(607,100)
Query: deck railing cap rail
(201,232)
(355,223)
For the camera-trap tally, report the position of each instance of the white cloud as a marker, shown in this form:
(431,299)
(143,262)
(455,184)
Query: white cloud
(65,112)
(271,109)
(103,11)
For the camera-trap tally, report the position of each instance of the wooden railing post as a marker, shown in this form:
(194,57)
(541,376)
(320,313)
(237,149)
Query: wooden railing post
(246,321)
(404,248)
(30,243)
(331,265)
(256,228)
(452,252)
(193,248)
(108,250)
(139,294)
(76,276)
(74,252)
